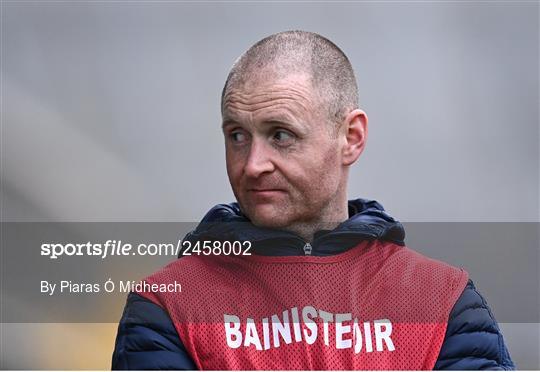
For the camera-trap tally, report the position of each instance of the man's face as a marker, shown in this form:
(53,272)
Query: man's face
(283,159)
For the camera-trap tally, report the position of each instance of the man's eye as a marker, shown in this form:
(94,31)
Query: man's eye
(283,136)
(238,137)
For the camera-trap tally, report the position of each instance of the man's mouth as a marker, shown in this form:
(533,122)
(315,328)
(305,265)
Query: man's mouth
(264,192)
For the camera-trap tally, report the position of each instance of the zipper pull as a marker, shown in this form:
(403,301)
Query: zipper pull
(307,249)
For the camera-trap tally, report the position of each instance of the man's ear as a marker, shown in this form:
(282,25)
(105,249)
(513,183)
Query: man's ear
(355,134)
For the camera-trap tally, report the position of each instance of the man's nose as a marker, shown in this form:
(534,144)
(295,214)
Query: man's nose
(259,159)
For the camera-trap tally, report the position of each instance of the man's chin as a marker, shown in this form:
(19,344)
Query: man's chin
(268,216)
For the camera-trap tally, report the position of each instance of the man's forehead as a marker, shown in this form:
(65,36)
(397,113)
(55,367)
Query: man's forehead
(253,81)
(276,113)
(274,104)
(261,88)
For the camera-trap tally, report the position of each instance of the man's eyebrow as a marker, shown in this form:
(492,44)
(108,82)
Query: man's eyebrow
(228,123)
(285,120)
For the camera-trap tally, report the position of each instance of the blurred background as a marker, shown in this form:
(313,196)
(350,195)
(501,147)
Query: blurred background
(110,112)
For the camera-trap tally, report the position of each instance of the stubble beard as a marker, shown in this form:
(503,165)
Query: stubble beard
(325,216)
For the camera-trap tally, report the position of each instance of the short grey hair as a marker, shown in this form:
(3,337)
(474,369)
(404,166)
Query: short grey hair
(302,52)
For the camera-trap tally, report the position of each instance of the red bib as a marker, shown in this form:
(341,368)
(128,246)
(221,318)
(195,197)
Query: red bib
(376,306)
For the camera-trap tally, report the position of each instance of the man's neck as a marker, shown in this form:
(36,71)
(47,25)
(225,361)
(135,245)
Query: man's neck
(329,221)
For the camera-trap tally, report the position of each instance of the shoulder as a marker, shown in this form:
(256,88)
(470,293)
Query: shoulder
(414,270)
(147,339)
(185,267)
(473,339)
(422,263)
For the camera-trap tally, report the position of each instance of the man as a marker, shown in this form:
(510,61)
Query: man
(329,284)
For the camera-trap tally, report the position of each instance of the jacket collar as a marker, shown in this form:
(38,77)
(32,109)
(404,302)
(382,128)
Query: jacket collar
(367,221)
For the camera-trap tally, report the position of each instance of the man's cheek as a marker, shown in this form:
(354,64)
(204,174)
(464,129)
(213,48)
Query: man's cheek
(235,176)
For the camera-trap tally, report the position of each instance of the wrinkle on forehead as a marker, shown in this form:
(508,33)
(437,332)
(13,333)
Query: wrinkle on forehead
(268,102)
(294,95)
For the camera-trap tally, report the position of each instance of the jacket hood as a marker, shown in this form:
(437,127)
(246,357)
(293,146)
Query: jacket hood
(367,221)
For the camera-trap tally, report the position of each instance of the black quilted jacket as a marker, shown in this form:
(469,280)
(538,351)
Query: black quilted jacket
(147,338)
